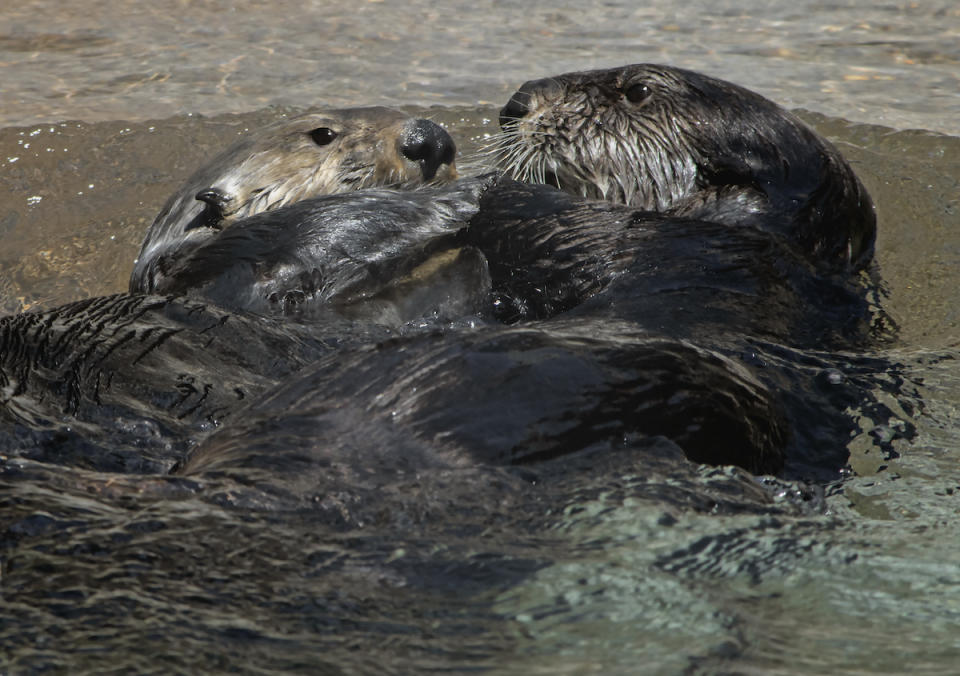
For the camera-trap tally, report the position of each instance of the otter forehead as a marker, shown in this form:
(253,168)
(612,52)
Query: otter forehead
(638,85)
(303,130)
(335,151)
(336,141)
(368,136)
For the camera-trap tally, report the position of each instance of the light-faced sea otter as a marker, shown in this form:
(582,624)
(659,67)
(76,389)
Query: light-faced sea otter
(313,154)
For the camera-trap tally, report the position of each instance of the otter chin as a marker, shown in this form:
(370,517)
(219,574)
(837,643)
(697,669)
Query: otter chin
(318,153)
(672,140)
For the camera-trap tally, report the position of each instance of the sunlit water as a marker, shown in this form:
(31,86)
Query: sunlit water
(629,571)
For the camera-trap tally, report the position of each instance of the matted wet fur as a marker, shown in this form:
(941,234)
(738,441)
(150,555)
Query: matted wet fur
(498,396)
(667,139)
(552,254)
(126,383)
(380,255)
(313,154)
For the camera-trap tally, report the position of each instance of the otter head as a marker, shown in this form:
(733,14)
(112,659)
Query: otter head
(667,139)
(313,154)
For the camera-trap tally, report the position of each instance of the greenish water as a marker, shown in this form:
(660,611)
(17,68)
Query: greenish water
(627,571)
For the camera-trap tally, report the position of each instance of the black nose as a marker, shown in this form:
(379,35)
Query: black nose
(429,144)
(517,107)
(519,104)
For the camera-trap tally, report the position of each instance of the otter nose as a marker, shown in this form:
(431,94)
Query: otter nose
(517,107)
(429,144)
(519,104)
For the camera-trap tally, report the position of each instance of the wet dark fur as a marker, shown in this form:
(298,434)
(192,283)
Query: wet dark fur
(741,291)
(361,254)
(128,382)
(551,253)
(501,396)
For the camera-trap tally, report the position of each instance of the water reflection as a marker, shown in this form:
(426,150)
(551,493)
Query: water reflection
(894,65)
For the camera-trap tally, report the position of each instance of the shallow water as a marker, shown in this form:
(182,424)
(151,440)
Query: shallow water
(631,569)
(893,64)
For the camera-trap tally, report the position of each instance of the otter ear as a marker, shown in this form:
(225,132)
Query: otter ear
(213,213)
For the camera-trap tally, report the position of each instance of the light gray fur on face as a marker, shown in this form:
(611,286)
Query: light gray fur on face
(282,165)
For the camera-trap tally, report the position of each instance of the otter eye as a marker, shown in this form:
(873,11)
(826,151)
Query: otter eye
(323,135)
(637,93)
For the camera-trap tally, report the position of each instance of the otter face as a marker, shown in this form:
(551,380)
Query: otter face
(622,135)
(326,153)
(654,136)
(667,139)
(310,155)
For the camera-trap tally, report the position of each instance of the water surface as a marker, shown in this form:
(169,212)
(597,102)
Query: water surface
(107,106)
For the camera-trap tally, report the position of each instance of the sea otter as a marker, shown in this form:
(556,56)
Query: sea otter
(132,382)
(671,140)
(313,154)
(694,285)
